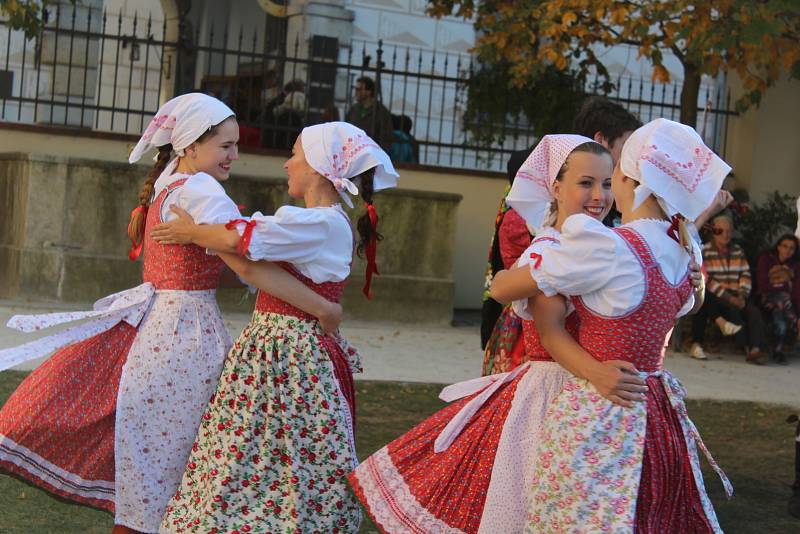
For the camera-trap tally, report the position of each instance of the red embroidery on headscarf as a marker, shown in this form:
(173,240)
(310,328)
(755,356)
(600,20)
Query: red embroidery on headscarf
(537,259)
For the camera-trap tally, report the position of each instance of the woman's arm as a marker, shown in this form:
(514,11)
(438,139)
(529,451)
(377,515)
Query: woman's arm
(183,231)
(279,283)
(616,380)
(514,284)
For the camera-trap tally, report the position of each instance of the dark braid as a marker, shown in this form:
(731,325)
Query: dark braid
(364,225)
(137,222)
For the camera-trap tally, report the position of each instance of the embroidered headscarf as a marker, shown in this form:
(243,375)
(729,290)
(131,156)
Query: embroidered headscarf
(180,122)
(340,152)
(532,192)
(670,161)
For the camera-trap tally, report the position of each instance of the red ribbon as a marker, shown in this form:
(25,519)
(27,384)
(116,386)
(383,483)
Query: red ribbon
(371,250)
(244,243)
(537,260)
(672,231)
(136,248)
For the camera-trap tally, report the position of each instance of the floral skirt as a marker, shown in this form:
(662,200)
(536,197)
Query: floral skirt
(276,440)
(57,428)
(605,468)
(467,468)
(505,349)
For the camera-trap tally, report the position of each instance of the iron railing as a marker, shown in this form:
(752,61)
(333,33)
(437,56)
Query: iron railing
(109,72)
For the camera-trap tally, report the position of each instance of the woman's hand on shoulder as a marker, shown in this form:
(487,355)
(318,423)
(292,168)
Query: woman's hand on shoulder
(177,232)
(619,382)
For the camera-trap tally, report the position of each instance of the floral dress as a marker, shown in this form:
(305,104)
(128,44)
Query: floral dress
(109,420)
(276,440)
(467,468)
(602,467)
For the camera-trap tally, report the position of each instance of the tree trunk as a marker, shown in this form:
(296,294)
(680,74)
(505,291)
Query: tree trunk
(689,93)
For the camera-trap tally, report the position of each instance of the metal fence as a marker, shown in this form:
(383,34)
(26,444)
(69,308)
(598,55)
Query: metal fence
(108,72)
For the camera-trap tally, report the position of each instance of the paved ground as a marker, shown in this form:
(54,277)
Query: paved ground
(419,353)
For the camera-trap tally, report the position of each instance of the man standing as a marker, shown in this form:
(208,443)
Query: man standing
(370,115)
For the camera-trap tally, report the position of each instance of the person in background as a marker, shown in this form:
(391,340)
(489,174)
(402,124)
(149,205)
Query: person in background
(778,286)
(369,114)
(609,124)
(728,290)
(405,148)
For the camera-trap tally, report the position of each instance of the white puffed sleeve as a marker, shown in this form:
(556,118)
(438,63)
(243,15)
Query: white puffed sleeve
(293,234)
(317,241)
(584,262)
(545,238)
(205,200)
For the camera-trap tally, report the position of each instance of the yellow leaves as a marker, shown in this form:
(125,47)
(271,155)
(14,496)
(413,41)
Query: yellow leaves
(660,74)
(568,18)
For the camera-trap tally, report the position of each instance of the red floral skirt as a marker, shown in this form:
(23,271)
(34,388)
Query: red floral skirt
(57,428)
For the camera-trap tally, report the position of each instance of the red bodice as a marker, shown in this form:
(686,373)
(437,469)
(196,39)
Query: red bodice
(534,350)
(638,336)
(331,291)
(184,267)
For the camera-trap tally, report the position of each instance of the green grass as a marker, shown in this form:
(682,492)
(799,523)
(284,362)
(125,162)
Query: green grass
(750,441)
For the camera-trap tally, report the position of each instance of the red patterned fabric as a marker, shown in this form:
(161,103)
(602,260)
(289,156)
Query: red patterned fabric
(513,236)
(183,267)
(452,485)
(534,350)
(332,291)
(668,499)
(58,426)
(505,348)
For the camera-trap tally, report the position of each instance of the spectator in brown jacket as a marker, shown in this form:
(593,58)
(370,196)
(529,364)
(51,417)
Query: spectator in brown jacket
(370,115)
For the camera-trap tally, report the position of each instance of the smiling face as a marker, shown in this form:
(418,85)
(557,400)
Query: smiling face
(585,186)
(214,153)
(302,176)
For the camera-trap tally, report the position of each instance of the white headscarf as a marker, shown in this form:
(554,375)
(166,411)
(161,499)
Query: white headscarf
(180,122)
(340,151)
(670,161)
(532,191)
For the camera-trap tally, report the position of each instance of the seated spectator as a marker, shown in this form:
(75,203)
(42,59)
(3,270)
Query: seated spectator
(778,277)
(727,292)
(404,148)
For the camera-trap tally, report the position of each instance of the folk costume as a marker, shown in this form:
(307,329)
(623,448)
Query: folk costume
(468,468)
(276,440)
(602,467)
(109,420)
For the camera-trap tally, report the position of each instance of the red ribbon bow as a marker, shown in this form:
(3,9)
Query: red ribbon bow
(244,243)
(136,248)
(672,231)
(371,250)
(537,259)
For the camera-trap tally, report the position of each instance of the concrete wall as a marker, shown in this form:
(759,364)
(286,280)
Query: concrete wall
(474,219)
(62,228)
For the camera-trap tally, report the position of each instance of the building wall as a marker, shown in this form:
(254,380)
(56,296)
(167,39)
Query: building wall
(473,221)
(764,142)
